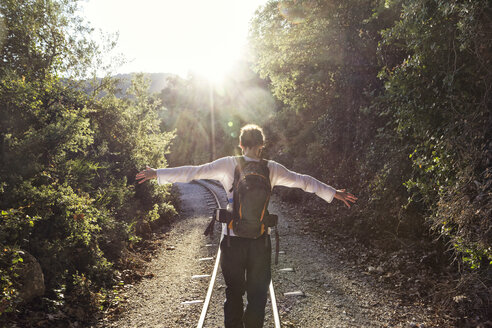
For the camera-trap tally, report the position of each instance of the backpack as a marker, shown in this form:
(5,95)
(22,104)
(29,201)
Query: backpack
(251,193)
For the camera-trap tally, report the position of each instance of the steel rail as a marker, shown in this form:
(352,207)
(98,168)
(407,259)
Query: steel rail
(210,289)
(273,300)
(206,303)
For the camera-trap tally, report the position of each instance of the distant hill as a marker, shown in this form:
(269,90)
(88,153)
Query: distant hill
(158,81)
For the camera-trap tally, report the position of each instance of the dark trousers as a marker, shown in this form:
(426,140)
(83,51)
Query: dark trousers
(246,268)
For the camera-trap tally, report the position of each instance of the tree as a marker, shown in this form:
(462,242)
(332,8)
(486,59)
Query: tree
(69,157)
(439,97)
(321,58)
(392,97)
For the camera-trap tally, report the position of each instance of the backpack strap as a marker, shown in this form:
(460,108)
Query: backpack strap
(264,163)
(277,244)
(210,228)
(228,236)
(240,161)
(237,170)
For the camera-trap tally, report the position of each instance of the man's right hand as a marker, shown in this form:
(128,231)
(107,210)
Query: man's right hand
(147,174)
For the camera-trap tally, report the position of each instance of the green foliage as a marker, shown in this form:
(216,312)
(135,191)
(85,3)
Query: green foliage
(44,38)
(69,157)
(321,60)
(392,100)
(9,263)
(439,96)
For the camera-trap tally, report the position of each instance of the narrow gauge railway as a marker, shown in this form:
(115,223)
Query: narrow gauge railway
(215,193)
(315,286)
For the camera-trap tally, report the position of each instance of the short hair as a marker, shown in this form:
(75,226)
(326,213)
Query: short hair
(251,136)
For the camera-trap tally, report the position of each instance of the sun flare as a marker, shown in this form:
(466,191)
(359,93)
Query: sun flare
(182,37)
(213,67)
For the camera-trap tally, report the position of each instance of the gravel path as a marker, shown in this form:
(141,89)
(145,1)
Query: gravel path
(156,302)
(338,293)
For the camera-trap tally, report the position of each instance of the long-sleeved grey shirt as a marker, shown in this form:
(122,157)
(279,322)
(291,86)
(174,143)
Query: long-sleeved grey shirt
(222,170)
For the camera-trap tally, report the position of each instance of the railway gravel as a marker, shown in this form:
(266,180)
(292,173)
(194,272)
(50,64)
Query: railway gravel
(336,291)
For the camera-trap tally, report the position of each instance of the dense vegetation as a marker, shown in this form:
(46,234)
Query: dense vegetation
(391,98)
(68,160)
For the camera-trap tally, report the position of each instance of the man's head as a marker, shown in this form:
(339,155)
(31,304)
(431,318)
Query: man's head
(251,136)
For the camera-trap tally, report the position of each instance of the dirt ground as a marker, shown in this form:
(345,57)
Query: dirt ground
(338,292)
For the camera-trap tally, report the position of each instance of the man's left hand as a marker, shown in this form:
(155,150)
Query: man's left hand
(345,197)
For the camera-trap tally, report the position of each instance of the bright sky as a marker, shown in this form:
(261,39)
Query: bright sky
(175,36)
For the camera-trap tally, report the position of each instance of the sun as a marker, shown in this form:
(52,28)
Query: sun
(213,64)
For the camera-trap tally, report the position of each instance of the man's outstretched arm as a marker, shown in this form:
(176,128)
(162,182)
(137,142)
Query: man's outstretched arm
(284,177)
(212,170)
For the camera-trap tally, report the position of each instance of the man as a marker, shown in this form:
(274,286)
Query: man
(246,262)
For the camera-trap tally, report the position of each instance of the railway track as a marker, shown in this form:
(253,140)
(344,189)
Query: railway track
(315,287)
(213,201)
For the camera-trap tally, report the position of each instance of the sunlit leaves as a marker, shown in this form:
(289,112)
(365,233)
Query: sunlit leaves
(68,158)
(437,95)
(402,89)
